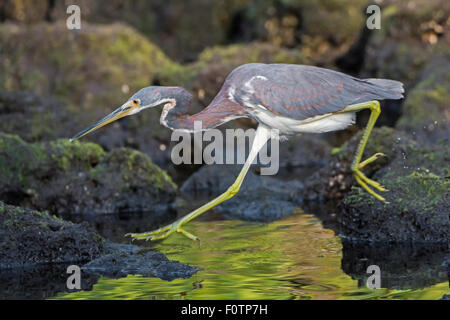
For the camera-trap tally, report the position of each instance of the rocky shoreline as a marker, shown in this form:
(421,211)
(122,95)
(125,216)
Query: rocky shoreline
(127,167)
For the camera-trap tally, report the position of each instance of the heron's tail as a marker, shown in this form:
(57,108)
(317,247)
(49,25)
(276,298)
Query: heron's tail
(392,88)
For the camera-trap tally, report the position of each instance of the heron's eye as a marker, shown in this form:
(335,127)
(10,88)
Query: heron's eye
(136,102)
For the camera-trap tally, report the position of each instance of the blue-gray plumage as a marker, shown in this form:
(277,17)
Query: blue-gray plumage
(301,92)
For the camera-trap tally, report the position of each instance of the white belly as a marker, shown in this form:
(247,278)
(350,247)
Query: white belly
(318,124)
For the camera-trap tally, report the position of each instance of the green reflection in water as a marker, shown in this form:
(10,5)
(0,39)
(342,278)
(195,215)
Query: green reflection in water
(295,258)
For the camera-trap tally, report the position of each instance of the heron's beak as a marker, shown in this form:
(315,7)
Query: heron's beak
(121,112)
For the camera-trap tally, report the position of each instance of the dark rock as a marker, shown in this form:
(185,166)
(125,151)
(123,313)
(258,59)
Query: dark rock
(426,113)
(303,155)
(92,68)
(32,117)
(174,24)
(39,282)
(402,265)
(408,38)
(418,202)
(336,178)
(60,176)
(445,297)
(261,198)
(120,260)
(30,237)
(24,11)
(91,72)
(416,175)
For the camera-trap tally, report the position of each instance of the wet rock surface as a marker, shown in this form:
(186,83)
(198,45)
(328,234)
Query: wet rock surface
(261,198)
(120,260)
(37,248)
(78,77)
(336,178)
(60,176)
(31,237)
(416,176)
(418,200)
(41,281)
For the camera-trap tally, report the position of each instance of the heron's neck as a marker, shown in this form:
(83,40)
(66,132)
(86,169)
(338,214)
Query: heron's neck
(175,115)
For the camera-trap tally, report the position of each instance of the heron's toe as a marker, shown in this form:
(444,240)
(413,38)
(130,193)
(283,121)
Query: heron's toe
(163,233)
(371,159)
(365,182)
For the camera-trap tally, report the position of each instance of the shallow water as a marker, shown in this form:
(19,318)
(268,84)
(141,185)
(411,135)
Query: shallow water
(295,258)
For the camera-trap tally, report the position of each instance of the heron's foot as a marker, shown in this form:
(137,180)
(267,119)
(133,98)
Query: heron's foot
(164,232)
(365,182)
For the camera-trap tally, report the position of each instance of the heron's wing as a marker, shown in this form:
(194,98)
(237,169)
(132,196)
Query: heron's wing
(302,92)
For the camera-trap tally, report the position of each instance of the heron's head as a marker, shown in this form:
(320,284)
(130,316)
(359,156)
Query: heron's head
(145,98)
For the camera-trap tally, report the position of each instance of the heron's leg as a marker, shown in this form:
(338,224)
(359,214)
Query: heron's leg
(261,137)
(374,107)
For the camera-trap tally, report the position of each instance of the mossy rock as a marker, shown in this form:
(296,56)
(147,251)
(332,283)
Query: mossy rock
(24,11)
(335,179)
(409,37)
(308,26)
(90,72)
(417,201)
(32,117)
(181,28)
(205,77)
(31,237)
(311,24)
(426,112)
(174,25)
(93,69)
(65,177)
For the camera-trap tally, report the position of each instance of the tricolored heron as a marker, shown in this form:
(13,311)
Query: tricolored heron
(290,98)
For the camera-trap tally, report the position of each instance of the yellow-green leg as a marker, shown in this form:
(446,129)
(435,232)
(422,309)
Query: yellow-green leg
(374,107)
(261,137)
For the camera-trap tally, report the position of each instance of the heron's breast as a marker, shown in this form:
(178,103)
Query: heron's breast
(317,124)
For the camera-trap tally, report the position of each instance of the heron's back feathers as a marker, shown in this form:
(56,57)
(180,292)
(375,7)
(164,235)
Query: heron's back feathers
(302,92)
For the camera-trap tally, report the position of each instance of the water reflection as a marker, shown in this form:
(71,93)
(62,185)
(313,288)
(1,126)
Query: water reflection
(295,258)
